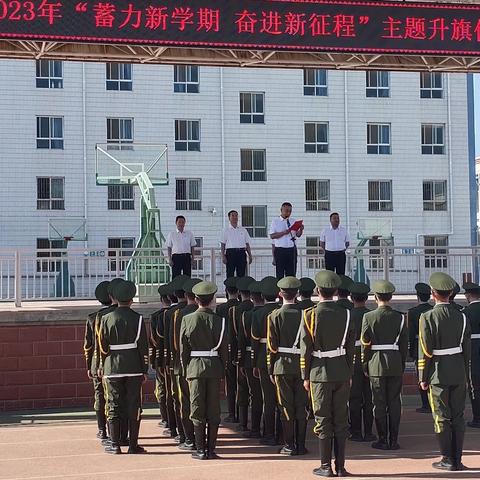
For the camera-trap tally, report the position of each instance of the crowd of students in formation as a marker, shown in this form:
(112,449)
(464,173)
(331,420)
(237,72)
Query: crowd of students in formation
(285,358)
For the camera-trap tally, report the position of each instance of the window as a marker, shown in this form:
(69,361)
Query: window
(378,84)
(436,255)
(198,255)
(120,197)
(380,195)
(49,265)
(317,194)
(120,133)
(252,107)
(434,195)
(315,82)
(252,166)
(188,194)
(119,76)
(376,255)
(50,132)
(254,219)
(49,73)
(50,193)
(431,85)
(120,249)
(433,142)
(378,138)
(187,135)
(185,79)
(314,254)
(316,137)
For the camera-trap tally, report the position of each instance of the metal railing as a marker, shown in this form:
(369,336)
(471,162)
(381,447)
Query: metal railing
(73,273)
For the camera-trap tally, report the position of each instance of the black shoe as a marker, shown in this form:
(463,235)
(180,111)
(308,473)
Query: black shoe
(302,451)
(187,445)
(136,450)
(102,434)
(474,424)
(124,442)
(251,434)
(380,445)
(242,428)
(230,419)
(341,472)
(178,440)
(369,437)
(323,471)
(460,467)
(444,464)
(394,445)
(163,424)
(288,451)
(169,433)
(199,455)
(113,449)
(423,410)
(269,441)
(356,437)
(106,442)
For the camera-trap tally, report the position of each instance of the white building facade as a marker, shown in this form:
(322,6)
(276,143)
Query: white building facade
(390,145)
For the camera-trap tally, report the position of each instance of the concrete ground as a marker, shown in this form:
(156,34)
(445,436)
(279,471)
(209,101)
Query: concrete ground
(62,445)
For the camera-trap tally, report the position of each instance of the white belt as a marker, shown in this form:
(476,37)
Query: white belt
(384,347)
(204,353)
(263,340)
(294,350)
(248,349)
(339,352)
(358,343)
(124,346)
(447,351)
(475,336)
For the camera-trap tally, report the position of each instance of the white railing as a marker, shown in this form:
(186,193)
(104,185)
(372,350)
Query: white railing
(74,273)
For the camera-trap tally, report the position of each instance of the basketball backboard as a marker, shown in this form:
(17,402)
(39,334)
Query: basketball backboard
(118,164)
(374,228)
(67,228)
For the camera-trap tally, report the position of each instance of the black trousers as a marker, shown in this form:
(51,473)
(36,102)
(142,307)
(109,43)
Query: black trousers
(335,261)
(182,264)
(236,262)
(474,392)
(285,262)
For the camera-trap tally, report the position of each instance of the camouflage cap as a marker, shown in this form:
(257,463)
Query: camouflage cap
(101,292)
(327,279)
(204,288)
(423,288)
(471,287)
(243,283)
(231,282)
(287,283)
(383,286)
(190,283)
(124,291)
(177,284)
(114,282)
(442,281)
(269,286)
(359,288)
(347,282)
(307,284)
(255,287)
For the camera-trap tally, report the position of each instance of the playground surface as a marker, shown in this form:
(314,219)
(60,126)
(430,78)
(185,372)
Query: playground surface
(62,445)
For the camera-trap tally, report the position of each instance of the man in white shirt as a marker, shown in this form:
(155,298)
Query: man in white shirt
(285,249)
(180,247)
(235,246)
(335,240)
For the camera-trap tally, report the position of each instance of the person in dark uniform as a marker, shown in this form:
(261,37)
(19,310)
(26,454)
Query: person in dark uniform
(231,292)
(344,291)
(283,360)
(443,367)
(204,355)
(90,347)
(269,291)
(327,347)
(156,352)
(455,292)
(360,403)
(413,315)
(245,361)
(384,341)
(472,294)
(234,321)
(124,347)
(307,286)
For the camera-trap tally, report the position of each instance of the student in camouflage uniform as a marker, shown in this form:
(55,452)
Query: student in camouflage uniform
(245,361)
(231,292)
(305,294)
(443,367)
(90,347)
(233,325)
(283,339)
(384,341)
(327,347)
(156,352)
(180,382)
(204,354)
(413,315)
(472,294)
(269,290)
(344,291)
(124,347)
(360,403)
